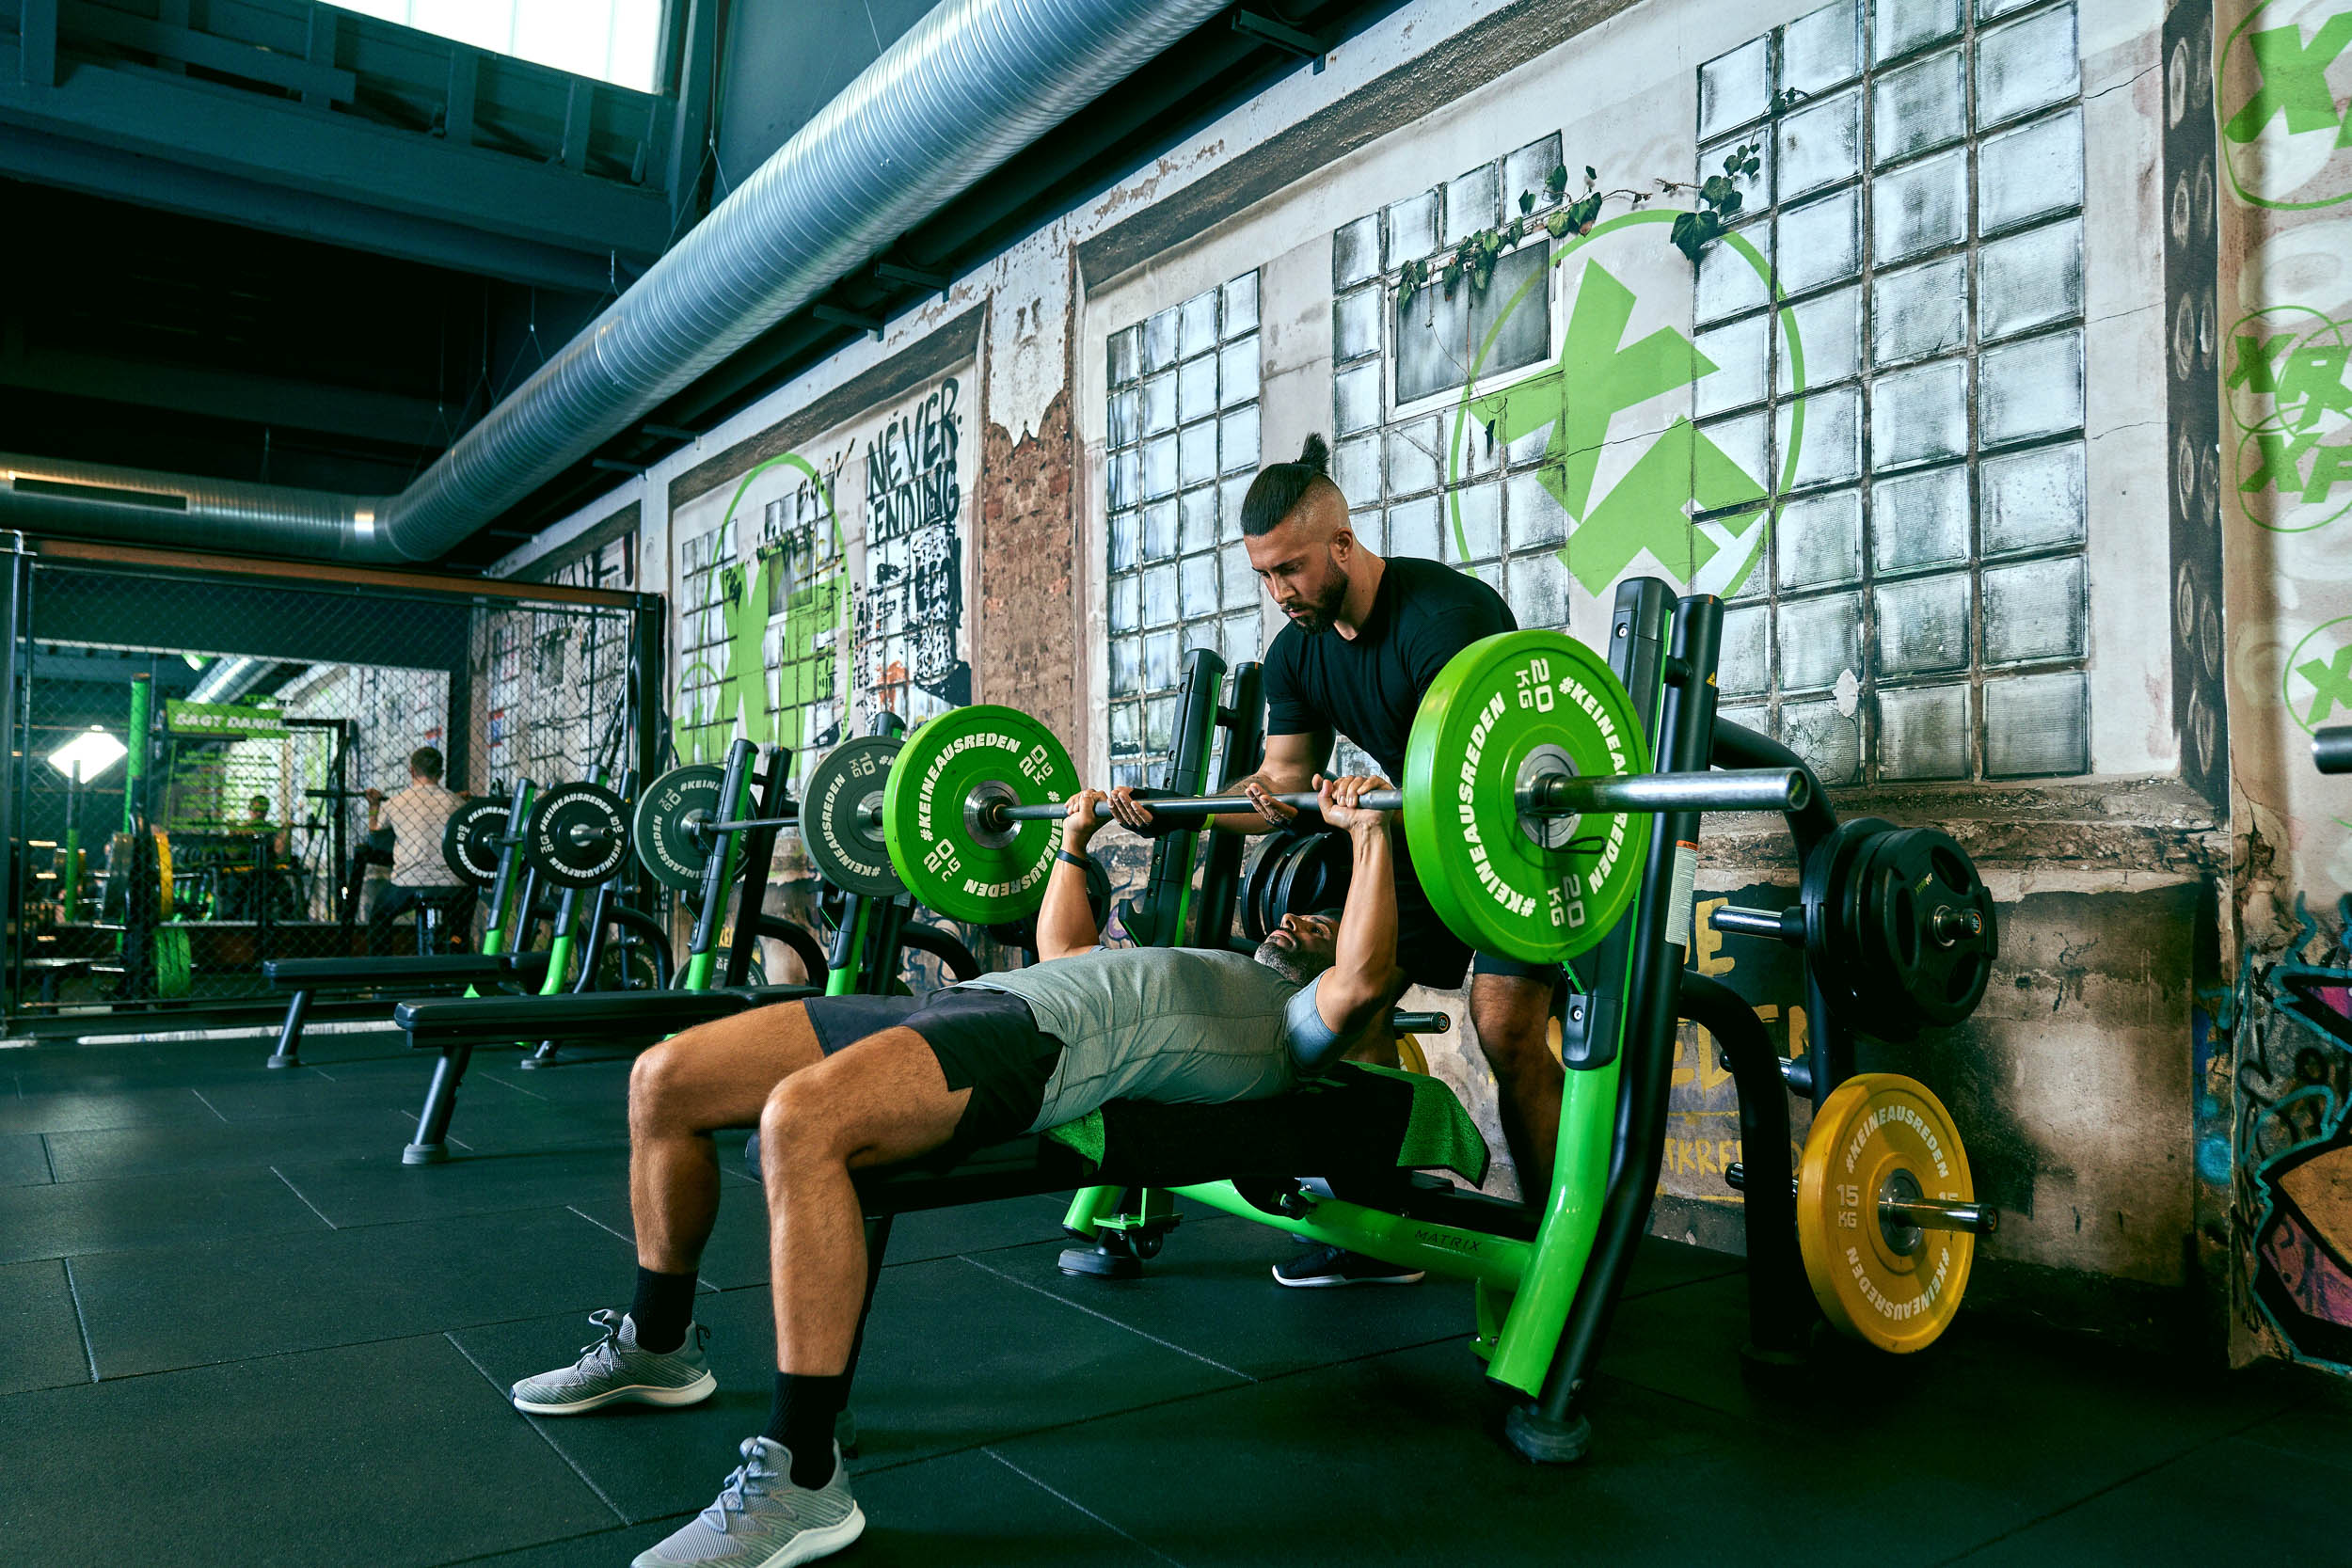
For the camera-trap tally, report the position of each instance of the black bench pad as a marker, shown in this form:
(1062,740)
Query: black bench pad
(1349,1128)
(451,969)
(442,1024)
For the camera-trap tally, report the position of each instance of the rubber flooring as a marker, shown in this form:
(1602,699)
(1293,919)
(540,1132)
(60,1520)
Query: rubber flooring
(242,1332)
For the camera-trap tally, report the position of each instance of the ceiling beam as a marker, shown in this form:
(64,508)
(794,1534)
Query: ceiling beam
(266,400)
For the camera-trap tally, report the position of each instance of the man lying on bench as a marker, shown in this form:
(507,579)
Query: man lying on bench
(838,1082)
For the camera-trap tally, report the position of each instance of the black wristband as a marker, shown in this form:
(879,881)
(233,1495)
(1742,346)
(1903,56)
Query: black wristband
(1081,862)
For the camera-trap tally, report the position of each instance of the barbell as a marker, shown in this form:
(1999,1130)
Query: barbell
(1525,763)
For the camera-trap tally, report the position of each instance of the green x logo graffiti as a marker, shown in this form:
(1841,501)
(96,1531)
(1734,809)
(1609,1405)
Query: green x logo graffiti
(2317,684)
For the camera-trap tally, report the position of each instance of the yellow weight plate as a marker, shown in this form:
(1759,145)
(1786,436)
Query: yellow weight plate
(1409,1056)
(1879,1137)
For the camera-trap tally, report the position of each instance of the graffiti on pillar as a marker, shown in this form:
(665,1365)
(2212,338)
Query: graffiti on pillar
(2291,400)
(2292,1204)
(826,583)
(762,637)
(910,609)
(2285,80)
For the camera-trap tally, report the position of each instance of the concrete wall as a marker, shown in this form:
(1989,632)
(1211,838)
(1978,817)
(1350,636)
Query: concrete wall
(1973,545)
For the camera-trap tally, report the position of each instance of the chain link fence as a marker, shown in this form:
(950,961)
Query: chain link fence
(196,740)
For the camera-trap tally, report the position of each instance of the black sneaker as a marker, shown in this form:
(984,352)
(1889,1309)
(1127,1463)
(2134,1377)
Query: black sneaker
(1322,1267)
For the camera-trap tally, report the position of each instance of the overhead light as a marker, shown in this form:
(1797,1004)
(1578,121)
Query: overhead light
(87,755)
(364,522)
(194,661)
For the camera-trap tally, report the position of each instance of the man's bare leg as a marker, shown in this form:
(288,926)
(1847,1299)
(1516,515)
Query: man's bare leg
(883,1099)
(1512,1014)
(718,1074)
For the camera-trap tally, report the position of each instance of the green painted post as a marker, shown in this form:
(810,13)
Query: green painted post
(134,765)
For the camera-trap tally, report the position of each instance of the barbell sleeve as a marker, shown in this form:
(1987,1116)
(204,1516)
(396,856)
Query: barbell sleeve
(2331,749)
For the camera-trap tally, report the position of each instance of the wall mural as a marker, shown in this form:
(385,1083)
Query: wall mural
(826,584)
(2282,82)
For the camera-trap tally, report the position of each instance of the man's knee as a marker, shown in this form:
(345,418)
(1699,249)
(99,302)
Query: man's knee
(1512,1015)
(803,1122)
(666,1080)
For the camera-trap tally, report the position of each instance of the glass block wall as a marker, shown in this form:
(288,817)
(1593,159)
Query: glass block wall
(1396,386)
(703,561)
(1923,610)
(1182,448)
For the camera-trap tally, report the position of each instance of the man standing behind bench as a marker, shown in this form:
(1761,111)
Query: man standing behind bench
(843,1082)
(418,816)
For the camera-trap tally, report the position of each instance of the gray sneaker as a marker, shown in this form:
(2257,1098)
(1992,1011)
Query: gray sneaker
(761,1520)
(613,1369)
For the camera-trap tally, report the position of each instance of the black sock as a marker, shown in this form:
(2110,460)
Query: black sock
(802,1420)
(663,1310)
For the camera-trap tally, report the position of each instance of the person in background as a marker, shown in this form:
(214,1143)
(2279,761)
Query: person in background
(421,879)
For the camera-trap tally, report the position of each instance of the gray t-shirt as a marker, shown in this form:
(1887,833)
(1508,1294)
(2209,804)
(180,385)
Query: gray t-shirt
(1177,1025)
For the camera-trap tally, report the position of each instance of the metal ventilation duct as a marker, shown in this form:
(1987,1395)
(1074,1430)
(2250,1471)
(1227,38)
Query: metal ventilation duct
(970,85)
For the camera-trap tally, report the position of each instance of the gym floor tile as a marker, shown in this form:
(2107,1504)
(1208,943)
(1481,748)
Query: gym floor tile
(2231,1501)
(1210,1291)
(2024,1424)
(597,1082)
(78,1110)
(39,1326)
(380,1453)
(1399,1451)
(376,1189)
(23,1161)
(67,1219)
(965,1509)
(736,1257)
(302,1092)
(954,1358)
(1659,1264)
(2318,1427)
(161,1308)
(121,1151)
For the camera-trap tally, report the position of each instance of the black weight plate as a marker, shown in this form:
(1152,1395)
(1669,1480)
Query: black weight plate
(668,822)
(1297,857)
(576,835)
(1927,931)
(1825,891)
(1253,889)
(844,843)
(473,839)
(1322,881)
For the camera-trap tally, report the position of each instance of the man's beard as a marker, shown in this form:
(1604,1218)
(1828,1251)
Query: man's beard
(1288,961)
(1318,617)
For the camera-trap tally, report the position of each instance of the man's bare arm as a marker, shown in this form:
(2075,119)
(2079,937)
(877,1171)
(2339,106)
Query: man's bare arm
(1361,982)
(1065,921)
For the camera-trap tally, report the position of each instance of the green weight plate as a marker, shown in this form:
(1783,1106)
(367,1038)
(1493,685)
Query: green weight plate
(576,835)
(950,765)
(843,844)
(666,825)
(1502,712)
(473,839)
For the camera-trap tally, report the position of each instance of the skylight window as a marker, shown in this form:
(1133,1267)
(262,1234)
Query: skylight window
(613,40)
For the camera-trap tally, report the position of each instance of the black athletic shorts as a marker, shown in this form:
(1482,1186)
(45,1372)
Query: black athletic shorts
(1431,955)
(987,1042)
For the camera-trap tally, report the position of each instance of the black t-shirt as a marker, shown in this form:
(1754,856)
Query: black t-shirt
(1369,686)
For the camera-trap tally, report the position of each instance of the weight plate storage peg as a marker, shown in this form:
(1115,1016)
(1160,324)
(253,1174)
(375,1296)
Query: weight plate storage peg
(1887,1214)
(667,825)
(1505,713)
(473,838)
(840,816)
(934,812)
(576,835)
